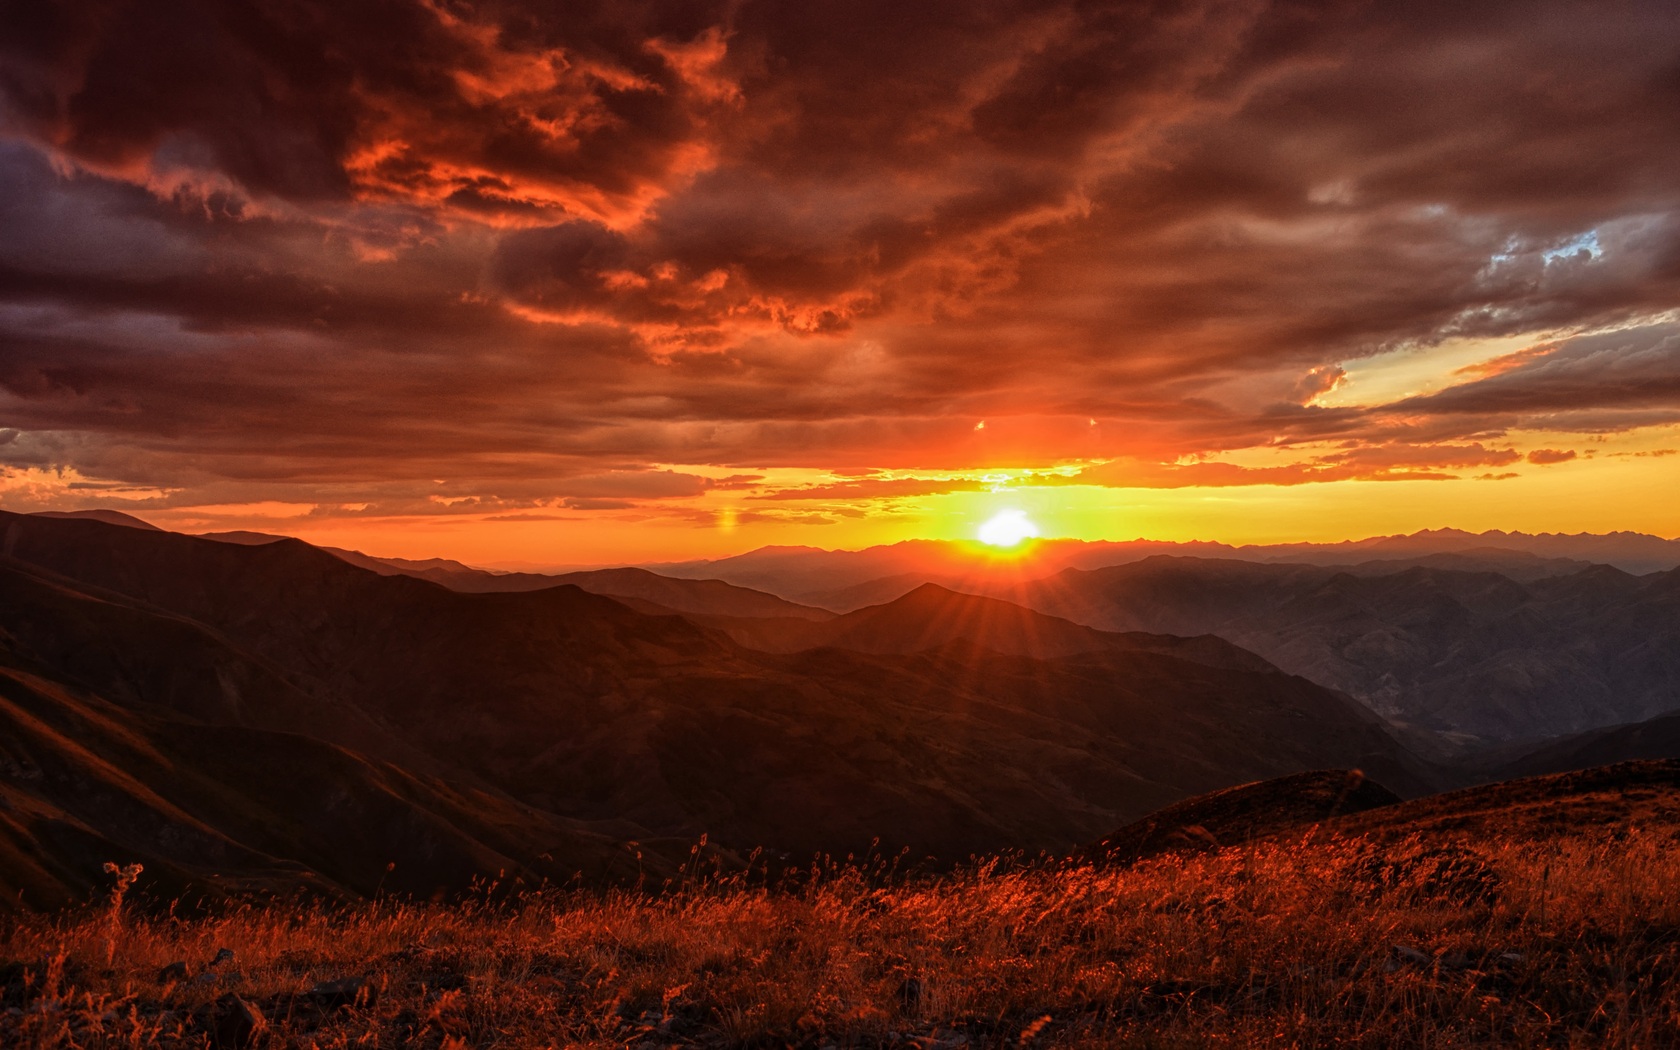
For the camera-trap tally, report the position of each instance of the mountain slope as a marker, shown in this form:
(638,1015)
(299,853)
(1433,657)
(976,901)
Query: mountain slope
(133,735)
(1470,653)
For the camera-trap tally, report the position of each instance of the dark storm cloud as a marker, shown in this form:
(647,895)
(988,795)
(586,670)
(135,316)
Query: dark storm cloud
(358,247)
(1637,368)
(379,97)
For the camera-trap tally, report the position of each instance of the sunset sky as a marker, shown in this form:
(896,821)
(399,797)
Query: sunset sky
(552,284)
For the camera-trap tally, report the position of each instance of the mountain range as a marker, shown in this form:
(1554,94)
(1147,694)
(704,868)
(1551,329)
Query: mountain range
(1464,648)
(244,710)
(237,715)
(822,577)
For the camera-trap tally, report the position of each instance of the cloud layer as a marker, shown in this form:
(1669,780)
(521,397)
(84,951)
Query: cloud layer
(426,257)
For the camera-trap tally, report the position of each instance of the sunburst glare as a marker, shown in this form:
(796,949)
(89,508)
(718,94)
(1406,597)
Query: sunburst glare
(1007,528)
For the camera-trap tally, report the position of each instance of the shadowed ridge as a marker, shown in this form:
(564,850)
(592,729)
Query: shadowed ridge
(933,616)
(1243,814)
(129,733)
(696,596)
(109,517)
(711,597)
(290,591)
(244,537)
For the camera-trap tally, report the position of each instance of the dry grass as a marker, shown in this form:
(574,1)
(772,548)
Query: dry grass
(1285,945)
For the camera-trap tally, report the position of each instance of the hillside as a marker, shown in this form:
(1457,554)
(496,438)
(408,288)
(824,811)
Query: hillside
(130,733)
(1540,913)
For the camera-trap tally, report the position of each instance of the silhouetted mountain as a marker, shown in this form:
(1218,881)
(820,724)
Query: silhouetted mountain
(245,537)
(1518,565)
(109,517)
(1457,652)
(504,722)
(1515,564)
(710,597)
(847,580)
(932,617)
(1632,552)
(878,591)
(804,574)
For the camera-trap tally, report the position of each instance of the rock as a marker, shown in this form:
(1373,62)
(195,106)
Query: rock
(1457,961)
(222,955)
(1410,956)
(232,1023)
(175,973)
(344,992)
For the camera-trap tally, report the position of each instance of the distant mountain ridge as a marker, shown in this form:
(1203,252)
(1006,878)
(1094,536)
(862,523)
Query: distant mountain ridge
(807,574)
(792,572)
(1436,631)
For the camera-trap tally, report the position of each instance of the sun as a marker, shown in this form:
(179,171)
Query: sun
(1006,528)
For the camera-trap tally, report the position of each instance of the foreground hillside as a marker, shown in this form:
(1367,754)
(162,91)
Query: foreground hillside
(1541,913)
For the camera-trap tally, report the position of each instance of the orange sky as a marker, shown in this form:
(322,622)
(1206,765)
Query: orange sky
(534,285)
